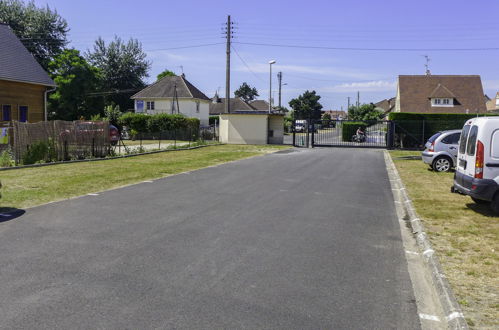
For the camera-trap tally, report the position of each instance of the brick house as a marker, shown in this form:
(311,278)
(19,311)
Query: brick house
(23,82)
(440,94)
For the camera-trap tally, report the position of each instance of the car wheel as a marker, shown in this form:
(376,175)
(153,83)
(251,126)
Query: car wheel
(442,164)
(494,205)
(479,201)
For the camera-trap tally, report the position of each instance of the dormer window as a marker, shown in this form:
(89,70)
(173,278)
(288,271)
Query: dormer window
(442,102)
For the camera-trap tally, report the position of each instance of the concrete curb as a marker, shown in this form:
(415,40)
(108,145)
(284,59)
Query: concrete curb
(453,313)
(101,159)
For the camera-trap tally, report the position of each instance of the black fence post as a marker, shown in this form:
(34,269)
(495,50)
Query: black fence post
(294,132)
(93,147)
(423,139)
(313,134)
(189,137)
(65,151)
(159,140)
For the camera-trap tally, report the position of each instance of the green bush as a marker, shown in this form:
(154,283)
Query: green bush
(349,128)
(41,151)
(6,159)
(414,129)
(136,121)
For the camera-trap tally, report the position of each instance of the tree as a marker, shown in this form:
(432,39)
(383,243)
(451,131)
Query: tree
(364,112)
(42,30)
(75,79)
(246,92)
(123,67)
(165,73)
(113,114)
(306,106)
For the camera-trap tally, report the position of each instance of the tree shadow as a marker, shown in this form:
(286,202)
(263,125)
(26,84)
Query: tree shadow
(10,213)
(483,209)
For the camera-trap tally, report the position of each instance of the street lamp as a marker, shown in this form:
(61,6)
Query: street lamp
(270,90)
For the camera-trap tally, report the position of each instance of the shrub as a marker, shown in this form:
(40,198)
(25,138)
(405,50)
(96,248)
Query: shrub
(142,123)
(37,152)
(414,129)
(136,121)
(6,159)
(349,128)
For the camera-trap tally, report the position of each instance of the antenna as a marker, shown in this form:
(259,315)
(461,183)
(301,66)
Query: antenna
(427,65)
(181,68)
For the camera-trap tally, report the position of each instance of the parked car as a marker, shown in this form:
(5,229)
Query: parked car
(299,128)
(441,150)
(89,127)
(477,170)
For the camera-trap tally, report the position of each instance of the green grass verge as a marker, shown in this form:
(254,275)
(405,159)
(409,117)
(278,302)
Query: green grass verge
(464,234)
(28,187)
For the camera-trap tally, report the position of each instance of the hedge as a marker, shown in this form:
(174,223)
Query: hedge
(349,129)
(143,123)
(412,130)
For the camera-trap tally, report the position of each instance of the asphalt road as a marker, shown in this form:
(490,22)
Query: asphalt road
(306,239)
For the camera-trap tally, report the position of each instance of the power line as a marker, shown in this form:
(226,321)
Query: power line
(368,49)
(246,64)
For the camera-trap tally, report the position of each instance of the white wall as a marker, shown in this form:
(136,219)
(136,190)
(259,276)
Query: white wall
(243,129)
(187,108)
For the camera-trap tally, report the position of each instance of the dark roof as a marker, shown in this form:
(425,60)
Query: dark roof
(165,88)
(387,104)
(260,105)
(17,63)
(218,105)
(416,93)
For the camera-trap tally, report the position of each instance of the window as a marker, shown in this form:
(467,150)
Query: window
(464,135)
(470,149)
(451,138)
(434,137)
(436,101)
(23,113)
(150,105)
(445,101)
(6,113)
(442,102)
(197,107)
(495,144)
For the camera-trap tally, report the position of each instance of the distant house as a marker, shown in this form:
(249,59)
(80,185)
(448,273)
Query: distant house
(162,97)
(336,114)
(493,104)
(440,94)
(217,105)
(23,82)
(386,105)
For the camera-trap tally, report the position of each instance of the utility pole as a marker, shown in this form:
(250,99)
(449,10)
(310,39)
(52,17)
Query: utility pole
(279,77)
(348,103)
(228,31)
(358,99)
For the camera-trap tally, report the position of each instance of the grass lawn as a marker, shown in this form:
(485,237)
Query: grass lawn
(465,236)
(34,186)
(154,142)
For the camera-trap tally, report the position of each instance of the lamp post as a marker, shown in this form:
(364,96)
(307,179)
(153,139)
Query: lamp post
(270,89)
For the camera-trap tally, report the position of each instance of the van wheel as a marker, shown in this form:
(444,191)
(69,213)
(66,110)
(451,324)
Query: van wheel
(478,201)
(494,205)
(442,164)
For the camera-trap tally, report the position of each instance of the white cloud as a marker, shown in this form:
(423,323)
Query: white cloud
(368,86)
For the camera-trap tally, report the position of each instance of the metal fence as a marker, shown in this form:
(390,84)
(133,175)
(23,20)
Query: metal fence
(67,140)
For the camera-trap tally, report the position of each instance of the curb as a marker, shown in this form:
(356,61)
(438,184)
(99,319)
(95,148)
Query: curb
(453,313)
(101,159)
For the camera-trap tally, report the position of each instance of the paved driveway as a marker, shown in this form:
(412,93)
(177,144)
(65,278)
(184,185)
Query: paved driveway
(306,239)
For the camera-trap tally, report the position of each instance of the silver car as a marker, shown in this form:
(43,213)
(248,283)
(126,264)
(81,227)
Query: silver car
(441,150)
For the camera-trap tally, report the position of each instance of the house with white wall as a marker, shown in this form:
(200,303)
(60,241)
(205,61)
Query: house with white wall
(173,95)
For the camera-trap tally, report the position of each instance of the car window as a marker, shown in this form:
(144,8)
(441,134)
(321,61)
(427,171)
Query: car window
(464,138)
(495,144)
(451,138)
(434,137)
(470,149)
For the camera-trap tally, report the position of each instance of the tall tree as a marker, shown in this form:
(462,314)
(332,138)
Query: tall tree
(364,112)
(246,92)
(165,73)
(42,30)
(76,80)
(123,67)
(306,106)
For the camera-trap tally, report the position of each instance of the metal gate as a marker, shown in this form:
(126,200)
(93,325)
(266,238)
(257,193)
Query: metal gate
(343,133)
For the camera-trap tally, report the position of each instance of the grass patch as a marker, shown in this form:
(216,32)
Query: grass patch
(464,234)
(34,186)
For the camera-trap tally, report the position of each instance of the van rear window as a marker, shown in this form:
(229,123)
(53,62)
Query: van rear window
(434,137)
(470,149)
(464,138)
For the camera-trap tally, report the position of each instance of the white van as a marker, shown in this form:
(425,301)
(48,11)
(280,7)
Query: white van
(477,170)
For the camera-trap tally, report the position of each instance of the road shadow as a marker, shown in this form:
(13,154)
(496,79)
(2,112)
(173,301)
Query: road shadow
(483,209)
(10,213)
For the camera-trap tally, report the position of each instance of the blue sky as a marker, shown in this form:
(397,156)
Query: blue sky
(163,26)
